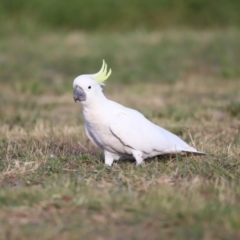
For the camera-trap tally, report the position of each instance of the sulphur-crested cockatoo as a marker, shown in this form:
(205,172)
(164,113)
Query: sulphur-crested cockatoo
(118,130)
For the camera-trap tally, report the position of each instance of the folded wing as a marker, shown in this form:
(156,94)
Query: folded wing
(137,132)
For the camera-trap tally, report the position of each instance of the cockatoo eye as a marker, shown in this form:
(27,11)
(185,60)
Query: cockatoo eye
(89,87)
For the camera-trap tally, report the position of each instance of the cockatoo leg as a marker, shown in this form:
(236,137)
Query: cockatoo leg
(138,157)
(110,157)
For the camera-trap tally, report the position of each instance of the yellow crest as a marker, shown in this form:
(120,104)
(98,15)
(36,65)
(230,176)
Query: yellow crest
(102,75)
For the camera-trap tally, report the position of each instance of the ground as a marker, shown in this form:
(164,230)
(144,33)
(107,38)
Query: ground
(54,184)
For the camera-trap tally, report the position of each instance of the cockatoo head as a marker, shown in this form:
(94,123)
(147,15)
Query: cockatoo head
(86,87)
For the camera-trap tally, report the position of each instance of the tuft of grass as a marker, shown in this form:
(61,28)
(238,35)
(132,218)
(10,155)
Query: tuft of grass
(233,109)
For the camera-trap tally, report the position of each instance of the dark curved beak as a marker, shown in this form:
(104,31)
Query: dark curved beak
(79,94)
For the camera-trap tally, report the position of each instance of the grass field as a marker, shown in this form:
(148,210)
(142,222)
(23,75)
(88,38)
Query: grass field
(54,184)
(121,15)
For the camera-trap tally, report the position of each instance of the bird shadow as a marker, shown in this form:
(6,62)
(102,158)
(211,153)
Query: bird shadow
(165,158)
(161,158)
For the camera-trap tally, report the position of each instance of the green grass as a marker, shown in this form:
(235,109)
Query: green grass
(54,184)
(121,15)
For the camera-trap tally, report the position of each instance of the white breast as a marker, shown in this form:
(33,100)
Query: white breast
(98,131)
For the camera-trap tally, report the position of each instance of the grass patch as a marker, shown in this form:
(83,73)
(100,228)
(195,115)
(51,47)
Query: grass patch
(53,180)
(121,15)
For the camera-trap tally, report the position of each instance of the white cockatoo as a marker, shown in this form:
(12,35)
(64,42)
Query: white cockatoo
(118,130)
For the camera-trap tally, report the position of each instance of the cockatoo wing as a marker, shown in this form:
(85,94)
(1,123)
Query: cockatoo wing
(137,132)
(130,132)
